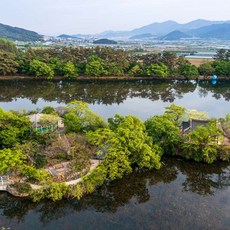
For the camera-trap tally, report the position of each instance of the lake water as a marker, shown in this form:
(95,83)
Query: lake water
(181,195)
(140,98)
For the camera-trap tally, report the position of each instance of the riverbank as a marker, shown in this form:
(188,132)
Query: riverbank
(127,77)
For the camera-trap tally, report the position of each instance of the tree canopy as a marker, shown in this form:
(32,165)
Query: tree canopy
(124,145)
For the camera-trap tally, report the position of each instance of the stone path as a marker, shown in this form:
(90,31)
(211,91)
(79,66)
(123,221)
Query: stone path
(94,164)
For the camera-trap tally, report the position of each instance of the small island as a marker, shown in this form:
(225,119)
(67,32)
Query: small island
(69,151)
(105,41)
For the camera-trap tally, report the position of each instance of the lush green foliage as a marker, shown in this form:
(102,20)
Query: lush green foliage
(102,61)
(222,68)
(14,128)
(11,160)
(48,110)
(56,191)
(22,187)
(8,63)
(202,143)
(80,118)
(160,70)
(125,144)
(176,114)
(39,68)
(206,69)
(7,46)
(33,173)
(223,55)
(94,66)
(164,132)
(69,70)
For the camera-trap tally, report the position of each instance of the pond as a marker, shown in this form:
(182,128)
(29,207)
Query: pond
(141,98)
(181,195)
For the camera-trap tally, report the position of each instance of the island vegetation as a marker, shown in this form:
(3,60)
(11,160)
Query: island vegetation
(58,163)
(105,42)
(71,62)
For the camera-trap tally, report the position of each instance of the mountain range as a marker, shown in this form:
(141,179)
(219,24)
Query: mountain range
(168,30)
(18,34)
(199,28)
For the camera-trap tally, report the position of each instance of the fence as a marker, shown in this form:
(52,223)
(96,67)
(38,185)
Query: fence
(49,128)
(4,180)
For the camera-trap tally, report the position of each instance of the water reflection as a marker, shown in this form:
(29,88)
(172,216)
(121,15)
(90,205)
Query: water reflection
(107,92)
(179,185)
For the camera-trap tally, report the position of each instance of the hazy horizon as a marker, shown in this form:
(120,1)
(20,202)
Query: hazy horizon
(52,17)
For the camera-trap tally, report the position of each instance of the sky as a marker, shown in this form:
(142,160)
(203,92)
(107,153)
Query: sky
(52,17)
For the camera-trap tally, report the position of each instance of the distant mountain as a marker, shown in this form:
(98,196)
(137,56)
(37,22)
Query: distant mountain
(218,31)
(105,42)
(201,23)
(142,36)
(18,34)
(157,28)
(161,29)
(175,35)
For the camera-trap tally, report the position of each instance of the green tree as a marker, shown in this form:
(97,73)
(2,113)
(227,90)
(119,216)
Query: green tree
(14,128)
(206,69)
(8,63)
(188,70)
(7,46)
(94,66)
(57,66)
(69,70)
(222,68)
(56,191)
(169,59)
(79,118)
(48,110)
(112,68)
(201,144)
(197,115)
(165,132)
(176,114)
(39,68)
(135,70)
(160,70)
(222,55)
(125,145)
(11,160)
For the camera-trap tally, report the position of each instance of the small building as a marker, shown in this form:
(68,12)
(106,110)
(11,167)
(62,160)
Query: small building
(43,123)
(192,124)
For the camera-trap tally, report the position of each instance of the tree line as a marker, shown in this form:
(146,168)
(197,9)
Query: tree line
(70,62)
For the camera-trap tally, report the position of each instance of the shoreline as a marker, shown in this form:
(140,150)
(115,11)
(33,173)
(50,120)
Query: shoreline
(85,78)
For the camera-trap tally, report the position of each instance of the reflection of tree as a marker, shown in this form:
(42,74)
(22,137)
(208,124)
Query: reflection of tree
(221,89)
(204,179)
(100,92)
(107,92)
(14,207)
